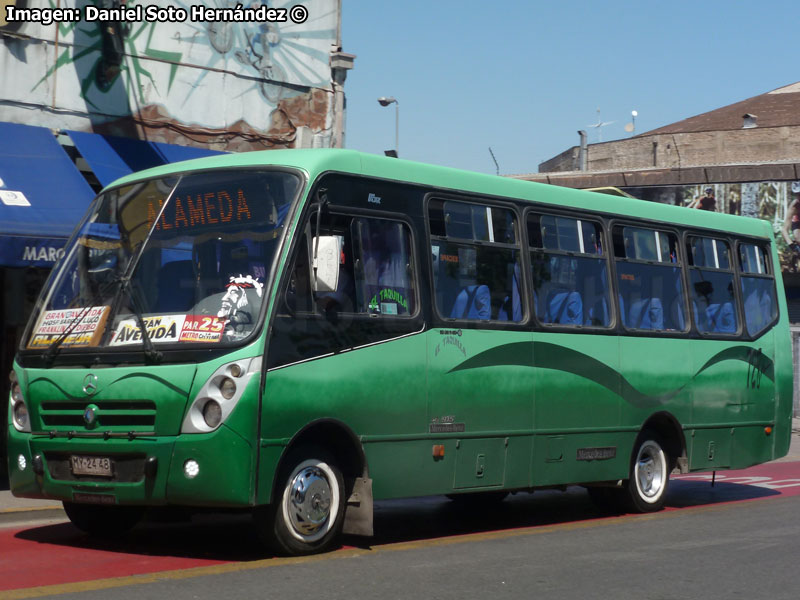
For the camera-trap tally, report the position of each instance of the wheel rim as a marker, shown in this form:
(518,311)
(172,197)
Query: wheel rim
(311,501)
(651,471)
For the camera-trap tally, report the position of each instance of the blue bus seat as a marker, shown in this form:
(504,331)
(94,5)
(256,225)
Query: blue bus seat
(473,302)
(564,307)
(757,304)
(598,314)
(721,318)
(647,313)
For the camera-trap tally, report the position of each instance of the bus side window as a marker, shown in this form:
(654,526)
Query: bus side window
(758,288)
(476,262)
(713,300)
(649,279)
(570,273)
(376,271)
(384,281)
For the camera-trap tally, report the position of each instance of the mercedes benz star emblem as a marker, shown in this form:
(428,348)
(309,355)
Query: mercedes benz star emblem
(90,384)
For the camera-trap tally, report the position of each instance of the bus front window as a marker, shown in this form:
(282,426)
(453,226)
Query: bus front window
(179,260)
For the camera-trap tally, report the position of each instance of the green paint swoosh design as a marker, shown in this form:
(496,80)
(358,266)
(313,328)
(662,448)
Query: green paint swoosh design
(560,358)
(168,384)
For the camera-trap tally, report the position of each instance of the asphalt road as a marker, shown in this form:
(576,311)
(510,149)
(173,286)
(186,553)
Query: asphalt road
(738,539)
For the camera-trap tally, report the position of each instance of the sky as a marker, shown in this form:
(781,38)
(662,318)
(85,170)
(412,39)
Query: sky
(522,77)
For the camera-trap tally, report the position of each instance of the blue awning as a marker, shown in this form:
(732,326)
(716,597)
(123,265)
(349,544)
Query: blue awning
(43,196)
(112,157)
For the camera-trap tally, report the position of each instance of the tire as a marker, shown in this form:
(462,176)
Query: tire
(649,474)
(307,514)
(103,521)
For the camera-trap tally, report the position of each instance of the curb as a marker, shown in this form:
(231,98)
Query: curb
(14,516)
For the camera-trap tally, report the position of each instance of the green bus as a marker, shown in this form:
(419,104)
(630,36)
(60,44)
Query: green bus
(301,332)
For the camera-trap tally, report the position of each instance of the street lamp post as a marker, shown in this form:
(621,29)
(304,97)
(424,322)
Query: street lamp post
(386,101)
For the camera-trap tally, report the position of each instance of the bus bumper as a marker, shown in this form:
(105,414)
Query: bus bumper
(147,471)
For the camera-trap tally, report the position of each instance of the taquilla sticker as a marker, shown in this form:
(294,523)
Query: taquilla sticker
(388,302)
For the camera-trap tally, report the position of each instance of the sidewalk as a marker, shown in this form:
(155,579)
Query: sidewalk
(18,510)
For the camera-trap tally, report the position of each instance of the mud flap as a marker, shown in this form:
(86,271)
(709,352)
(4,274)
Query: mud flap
(358,512)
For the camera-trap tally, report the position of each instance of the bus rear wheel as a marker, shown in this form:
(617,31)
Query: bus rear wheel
(103,521)
(646,488)
(307,514)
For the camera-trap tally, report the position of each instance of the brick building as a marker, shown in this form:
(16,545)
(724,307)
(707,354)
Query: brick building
(757,139)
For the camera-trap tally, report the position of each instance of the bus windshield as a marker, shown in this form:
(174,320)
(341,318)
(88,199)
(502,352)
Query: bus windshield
(180,260)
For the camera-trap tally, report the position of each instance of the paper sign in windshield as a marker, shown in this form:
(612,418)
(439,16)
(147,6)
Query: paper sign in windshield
(160,330)
(202,329)
(82,326)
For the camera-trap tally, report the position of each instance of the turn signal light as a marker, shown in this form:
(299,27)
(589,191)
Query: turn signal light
(768,430)
(438,451)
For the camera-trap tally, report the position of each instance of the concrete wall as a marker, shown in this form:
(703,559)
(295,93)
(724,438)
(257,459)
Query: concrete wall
(680,150)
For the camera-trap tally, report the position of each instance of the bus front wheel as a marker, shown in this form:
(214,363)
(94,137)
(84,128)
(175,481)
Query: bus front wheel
(649,475)
(307,514)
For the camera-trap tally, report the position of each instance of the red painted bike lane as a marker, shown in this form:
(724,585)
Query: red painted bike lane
(48,555)
(56,554)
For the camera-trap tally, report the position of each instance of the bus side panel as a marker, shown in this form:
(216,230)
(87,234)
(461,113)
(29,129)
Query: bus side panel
(783,375)
(480,405)
(379,392)
(577,409)
(656,378)
(733,392)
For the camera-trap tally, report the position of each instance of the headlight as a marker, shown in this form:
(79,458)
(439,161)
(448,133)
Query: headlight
(19,410)
(212,414)
(219,395)
(227,388)
(21,420)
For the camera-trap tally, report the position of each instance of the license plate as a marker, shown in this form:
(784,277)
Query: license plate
(92,465)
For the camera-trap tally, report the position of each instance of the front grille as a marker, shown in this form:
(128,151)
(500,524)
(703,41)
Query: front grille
(112,415)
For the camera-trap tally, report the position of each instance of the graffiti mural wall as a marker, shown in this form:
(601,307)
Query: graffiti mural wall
(223,74)
(777,202)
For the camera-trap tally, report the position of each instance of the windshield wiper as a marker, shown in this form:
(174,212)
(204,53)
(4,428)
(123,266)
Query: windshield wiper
(150,352)
(55,347)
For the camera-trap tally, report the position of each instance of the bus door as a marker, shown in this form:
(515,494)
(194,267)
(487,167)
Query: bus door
(347,341)
(576,354)
(480,376)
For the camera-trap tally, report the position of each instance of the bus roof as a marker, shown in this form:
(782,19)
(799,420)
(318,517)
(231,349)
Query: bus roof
(317,161)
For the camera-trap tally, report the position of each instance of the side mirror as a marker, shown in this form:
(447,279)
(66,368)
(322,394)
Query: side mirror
(326,263)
